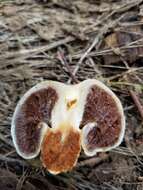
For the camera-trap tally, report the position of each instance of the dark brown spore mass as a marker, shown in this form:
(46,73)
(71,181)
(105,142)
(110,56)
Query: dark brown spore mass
(37,108)
(101,108)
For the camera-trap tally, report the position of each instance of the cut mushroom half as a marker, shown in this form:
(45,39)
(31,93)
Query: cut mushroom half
(58,119)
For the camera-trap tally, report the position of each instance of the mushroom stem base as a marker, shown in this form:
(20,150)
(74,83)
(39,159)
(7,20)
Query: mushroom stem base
(58,155)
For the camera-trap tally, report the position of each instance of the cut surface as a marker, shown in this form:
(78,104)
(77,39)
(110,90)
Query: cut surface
(87,114)
(60,155)
(28,122)
(102,109)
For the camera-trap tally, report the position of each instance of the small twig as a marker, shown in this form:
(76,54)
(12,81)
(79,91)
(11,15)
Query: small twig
(37,49)
(93,161)
(65,63)
(21,180)
(12,160)
(118,53)
(137,102)
(8,142)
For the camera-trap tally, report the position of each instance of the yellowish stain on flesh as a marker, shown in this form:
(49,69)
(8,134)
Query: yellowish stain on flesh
(71,104)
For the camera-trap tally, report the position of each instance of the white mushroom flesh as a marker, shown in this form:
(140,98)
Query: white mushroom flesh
(58,119)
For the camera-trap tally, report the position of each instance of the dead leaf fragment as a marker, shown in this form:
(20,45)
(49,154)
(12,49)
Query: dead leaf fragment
(16,23)
(120,43)
(10,10)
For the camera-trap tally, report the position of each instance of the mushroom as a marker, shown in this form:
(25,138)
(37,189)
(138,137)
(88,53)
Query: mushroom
(56,120)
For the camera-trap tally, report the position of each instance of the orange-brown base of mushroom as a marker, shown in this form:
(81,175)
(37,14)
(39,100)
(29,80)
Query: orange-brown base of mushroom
(60,155)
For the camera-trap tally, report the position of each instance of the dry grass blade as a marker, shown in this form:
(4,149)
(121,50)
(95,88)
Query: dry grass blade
(137,102)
